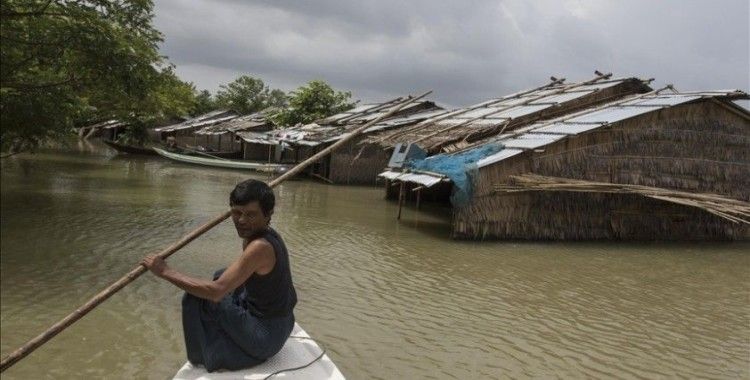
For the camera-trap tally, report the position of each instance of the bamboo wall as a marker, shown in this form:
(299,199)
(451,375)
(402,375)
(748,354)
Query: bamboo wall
(256,152)
(700,147)
(591,216)
(354,164)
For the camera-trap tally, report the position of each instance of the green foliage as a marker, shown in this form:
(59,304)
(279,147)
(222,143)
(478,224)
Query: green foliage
(135,134)
(204,103)
(311,102)
(64,63)
(248,95)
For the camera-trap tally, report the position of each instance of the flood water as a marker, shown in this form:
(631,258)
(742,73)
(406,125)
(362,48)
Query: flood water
(390,300)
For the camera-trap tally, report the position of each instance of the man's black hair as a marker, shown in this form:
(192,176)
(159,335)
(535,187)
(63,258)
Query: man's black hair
(253,190)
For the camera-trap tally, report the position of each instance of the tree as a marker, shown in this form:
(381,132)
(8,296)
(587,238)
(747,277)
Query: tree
(248,95)
(204,103)
(169,96)
(312,102)
(64,63)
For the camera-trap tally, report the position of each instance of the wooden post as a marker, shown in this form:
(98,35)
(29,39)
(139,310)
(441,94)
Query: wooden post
(219,148)
(419,192)
(416,217)
(400,200)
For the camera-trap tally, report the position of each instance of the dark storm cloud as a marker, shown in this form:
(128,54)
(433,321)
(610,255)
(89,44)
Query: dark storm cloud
(466,51)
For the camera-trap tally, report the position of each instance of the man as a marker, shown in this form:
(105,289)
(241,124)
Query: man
(244,315)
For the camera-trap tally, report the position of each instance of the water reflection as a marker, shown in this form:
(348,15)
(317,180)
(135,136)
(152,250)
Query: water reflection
(389,299)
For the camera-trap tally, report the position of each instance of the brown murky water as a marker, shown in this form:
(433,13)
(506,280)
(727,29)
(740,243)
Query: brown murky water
(389,300)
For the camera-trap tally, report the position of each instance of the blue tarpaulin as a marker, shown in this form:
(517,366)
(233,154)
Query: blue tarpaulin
(459,167)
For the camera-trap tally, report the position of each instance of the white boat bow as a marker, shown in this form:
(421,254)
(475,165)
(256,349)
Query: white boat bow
(296,352)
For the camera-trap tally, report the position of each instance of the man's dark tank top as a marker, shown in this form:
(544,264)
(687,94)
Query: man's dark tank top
(271,295)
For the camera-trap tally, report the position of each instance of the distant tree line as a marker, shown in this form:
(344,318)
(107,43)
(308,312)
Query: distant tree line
(246,95)
(70,63)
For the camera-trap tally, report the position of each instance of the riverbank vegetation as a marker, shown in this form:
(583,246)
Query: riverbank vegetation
(66,64)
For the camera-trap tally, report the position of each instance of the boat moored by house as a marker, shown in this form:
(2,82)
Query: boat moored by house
(223,163)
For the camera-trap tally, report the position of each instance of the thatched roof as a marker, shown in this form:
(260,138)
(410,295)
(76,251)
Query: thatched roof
(539,135)
(210,118)
(452,130)
(109,124)
(335,127)
(238,124)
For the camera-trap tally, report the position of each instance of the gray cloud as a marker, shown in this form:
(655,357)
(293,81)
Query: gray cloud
(466,51)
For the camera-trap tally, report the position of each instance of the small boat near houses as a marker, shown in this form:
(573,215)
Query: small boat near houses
(203,151)
(300,358)
(207,160)
(188,150)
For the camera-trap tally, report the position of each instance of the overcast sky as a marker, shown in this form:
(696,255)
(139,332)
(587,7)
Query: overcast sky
(466,51)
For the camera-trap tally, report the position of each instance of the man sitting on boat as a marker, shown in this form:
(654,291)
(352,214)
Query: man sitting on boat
(244,315)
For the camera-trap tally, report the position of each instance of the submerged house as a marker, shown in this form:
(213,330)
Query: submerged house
(108,130)
(223,136)
(661,165)
(183,132)
(460,128)
(347,164)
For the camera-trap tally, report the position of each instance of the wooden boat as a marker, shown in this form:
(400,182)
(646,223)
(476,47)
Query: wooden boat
(224,163)
(199,150)
(130,149)
(298,351)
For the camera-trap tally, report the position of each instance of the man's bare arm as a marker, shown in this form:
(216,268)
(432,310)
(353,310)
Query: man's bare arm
(257,256)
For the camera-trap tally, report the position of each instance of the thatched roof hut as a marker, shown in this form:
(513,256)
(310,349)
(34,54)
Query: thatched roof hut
(108,129)
(183,131)
(223,135)
(471,125)
(660,165)
(347,164)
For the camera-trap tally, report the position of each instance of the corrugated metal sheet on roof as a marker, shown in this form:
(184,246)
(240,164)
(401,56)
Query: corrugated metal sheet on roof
(567,128)
(663,100)
(210,118)
(521,111)
(611,115)
(531,141)
(241,123)
(542,134)
(320,132)
(561,98)
(427,180)
(483,117)
(499,156)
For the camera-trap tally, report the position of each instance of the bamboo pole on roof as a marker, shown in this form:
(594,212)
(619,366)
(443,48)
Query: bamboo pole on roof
(584,112)
(129,277)
(452,146)
(374,109)
(563,119)
(448,114)
(561,90)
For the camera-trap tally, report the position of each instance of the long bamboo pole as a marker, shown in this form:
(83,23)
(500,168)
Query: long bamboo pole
(55,329)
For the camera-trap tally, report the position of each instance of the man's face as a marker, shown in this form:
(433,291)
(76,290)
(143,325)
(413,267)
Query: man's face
(249,219)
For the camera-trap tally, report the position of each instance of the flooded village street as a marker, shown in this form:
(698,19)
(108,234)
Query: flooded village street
(389,299)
